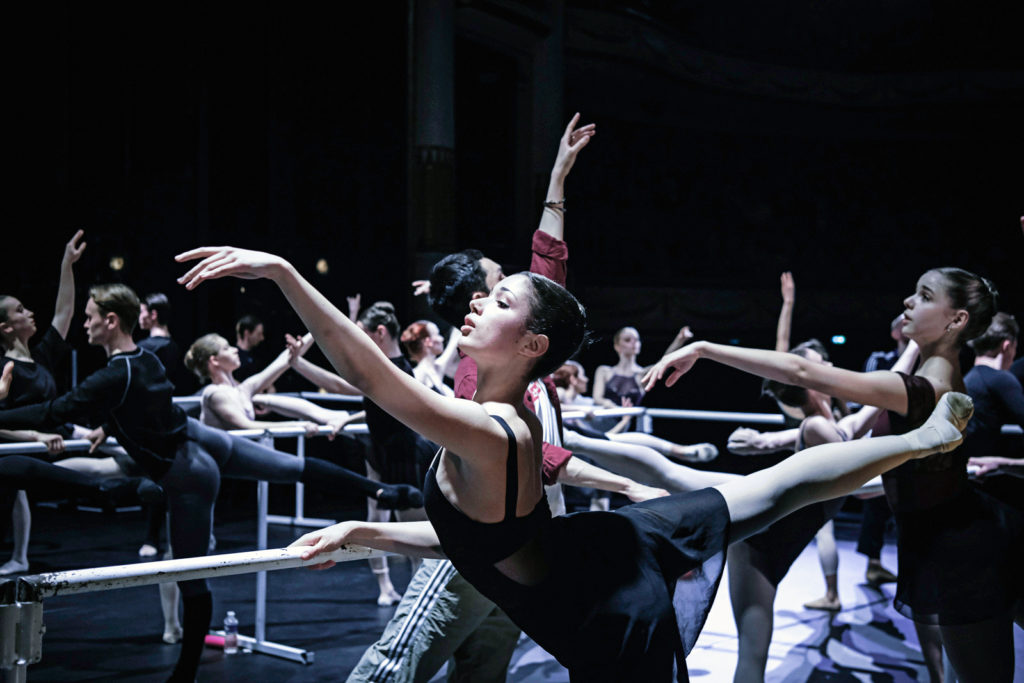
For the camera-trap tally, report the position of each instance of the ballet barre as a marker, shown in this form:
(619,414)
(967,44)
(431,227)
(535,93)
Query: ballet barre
(21,599)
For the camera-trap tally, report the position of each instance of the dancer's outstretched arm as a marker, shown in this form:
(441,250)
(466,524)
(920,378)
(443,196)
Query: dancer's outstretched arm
(462,426)
(574,139)
(861,422)
(785,325)
(836,469)
(415,539)
(258,383)
(65,306)
(884,389)
(325,379)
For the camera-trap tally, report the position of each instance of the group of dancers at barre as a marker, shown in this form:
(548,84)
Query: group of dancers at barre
(473,468)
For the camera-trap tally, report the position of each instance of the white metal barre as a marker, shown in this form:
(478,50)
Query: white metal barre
(74,581)
(21,606)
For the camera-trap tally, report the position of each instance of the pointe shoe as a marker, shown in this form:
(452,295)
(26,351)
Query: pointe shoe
(698,452)
(172,636)
(876,575)
(941,432)
(13,567)
(823,603)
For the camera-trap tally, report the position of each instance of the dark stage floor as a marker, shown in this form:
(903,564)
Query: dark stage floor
(115,635)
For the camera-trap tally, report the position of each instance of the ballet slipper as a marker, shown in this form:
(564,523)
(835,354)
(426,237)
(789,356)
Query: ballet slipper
(172,636)
(941,432)
(823,603)
(13,567)
(876,575)
(698,452)
(389,598)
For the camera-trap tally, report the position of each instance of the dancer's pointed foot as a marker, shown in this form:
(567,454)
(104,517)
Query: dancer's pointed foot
(388,598)
(172,635)
(13,567)
(876,575)
(698,452)
(941,432)
(824,603)
(399,497)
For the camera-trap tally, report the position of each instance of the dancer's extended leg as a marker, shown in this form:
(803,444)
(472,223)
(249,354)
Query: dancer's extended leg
(240,458)
(642,464)
(836,469)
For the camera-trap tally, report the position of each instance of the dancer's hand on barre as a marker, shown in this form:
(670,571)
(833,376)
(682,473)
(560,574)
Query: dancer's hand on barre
(96,437)
(417,539)
(54,442)
(5,379)
(678,362)
(218,262)
(325,540)
(342,419)
(990,463)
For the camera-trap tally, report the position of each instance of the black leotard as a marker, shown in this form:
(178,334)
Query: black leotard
(626,592)
(961,551)
(34,382)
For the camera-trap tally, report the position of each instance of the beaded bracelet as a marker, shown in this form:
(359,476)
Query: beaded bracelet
(554,205)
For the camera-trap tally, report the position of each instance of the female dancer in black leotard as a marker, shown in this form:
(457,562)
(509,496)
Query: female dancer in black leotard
(960,551)
(599,590)
(33,381)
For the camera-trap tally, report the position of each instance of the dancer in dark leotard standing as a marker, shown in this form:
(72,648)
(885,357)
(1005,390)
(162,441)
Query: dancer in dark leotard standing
(960,550)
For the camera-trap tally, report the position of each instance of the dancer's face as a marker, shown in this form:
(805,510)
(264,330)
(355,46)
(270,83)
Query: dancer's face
(145,318)
(628,343)
(227,357)
(929,312)
(496,325)
(21,322)
(99,326)
(494,273)
(434,341)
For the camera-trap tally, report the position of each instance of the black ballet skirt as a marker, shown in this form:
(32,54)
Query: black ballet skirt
(961,551)
(627,592)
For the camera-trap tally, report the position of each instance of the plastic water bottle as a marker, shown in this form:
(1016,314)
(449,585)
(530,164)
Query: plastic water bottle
(230,634)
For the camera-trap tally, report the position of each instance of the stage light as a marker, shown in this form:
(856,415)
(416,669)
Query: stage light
(116,262)
(322,267)
(838,339)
